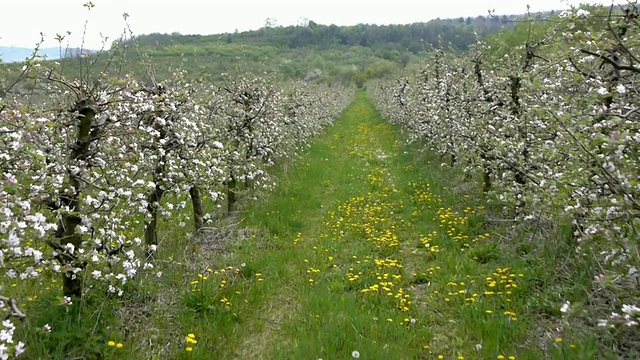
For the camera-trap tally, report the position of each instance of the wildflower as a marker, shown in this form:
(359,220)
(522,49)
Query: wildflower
(565,307)
(189,349)
(19,349)
(355,354)
(111,343)
(119,345)
(46,328)
(558,339)
(630,309)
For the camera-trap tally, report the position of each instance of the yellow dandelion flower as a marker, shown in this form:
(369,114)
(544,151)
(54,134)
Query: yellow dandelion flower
(111,343)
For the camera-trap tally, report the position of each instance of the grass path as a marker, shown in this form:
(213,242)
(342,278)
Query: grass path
(364,250)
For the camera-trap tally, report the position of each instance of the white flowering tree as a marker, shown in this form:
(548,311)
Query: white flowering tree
(92,165)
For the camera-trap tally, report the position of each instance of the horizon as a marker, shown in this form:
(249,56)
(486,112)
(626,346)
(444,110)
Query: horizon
(196,17)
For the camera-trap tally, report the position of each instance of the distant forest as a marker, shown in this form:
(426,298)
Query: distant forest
(457,34)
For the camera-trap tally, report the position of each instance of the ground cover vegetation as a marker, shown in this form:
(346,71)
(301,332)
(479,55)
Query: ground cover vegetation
(153,216)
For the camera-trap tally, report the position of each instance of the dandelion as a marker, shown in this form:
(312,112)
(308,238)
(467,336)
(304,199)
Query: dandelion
(355,354)
(111,343)
(189,349)
(119,345)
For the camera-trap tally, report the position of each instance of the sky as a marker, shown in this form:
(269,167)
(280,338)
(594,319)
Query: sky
(22,21)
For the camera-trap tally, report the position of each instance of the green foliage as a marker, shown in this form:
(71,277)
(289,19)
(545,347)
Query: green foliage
(80,330)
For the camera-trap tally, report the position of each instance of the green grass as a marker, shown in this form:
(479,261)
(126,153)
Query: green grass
(367,245)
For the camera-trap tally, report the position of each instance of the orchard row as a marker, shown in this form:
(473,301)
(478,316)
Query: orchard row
(88,173)
(552,126)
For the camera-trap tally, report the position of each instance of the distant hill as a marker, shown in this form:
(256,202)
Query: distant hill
(10,54)
(308,51)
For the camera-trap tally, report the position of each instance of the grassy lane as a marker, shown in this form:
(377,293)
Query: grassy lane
(364,250)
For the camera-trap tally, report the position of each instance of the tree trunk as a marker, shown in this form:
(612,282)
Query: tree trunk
(196,201)
(66,232)
(486,176)
(71,283)
(231,193)
(151,225)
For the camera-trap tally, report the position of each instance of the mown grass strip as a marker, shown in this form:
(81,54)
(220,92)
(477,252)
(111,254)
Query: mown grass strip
(369,248)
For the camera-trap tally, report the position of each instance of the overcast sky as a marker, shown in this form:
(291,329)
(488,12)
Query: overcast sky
(21,21)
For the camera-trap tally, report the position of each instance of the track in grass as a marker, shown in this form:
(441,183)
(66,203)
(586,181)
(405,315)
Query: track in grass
(364,250)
